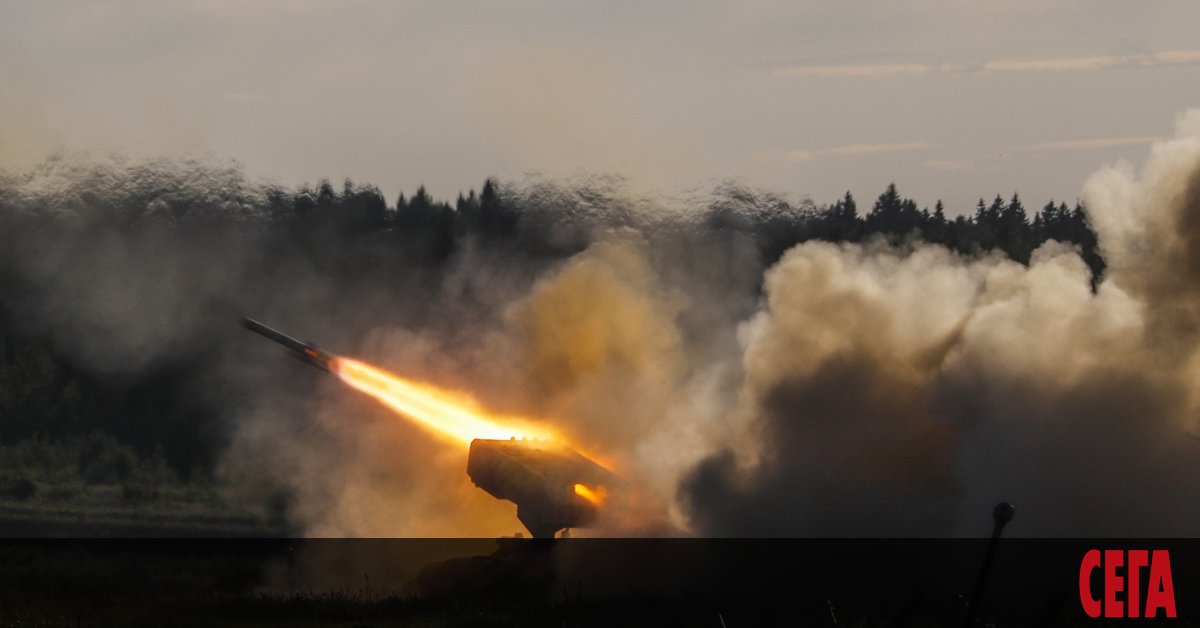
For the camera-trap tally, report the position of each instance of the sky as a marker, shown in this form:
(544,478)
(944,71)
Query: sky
(950,100)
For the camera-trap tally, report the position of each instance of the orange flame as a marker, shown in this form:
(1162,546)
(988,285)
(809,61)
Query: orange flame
(452,416)
(594,496)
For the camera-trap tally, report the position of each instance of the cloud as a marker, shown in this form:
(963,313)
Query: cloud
(875,149)
(1069,64)
(867,70)
(1094,143)
(950,165)
(1052,64)
(799,155)
(1178,57)
(1084,64)
(960,165)
(856,150)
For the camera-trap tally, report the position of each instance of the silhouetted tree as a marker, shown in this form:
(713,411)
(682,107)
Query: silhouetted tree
(469,214)
(1012,230)
(843,223)
(495,220)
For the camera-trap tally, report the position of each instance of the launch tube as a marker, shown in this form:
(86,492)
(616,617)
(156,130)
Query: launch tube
(304,351)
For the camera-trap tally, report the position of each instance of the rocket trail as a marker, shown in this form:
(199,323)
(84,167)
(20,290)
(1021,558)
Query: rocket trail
(448,415)
(452,416)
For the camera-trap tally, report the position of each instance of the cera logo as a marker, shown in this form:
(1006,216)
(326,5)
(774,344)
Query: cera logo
(1120,583)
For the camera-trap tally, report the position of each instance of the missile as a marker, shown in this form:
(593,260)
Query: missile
(304,351)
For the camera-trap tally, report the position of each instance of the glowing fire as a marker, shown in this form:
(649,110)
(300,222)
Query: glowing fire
(595,496)
(451,416)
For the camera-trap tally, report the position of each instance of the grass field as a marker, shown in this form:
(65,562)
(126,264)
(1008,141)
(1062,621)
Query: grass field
(95,487)
(109,511)
(92,535)
(236,583)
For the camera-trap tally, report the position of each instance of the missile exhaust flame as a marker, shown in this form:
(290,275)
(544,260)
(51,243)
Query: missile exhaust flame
(595,496)
(453,417)
(450,416)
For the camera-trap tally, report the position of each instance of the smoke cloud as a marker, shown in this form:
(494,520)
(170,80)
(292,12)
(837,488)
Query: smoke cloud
(903,391)
(847,389)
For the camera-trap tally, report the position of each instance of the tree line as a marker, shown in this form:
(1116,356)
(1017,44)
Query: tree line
(437,228)
(355,233)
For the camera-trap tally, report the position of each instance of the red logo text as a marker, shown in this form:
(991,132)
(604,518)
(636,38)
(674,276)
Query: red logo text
(1120,588)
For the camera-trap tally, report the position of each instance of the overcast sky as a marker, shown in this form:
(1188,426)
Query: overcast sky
(949,99)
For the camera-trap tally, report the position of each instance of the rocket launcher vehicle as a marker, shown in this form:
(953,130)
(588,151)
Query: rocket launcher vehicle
(553,486)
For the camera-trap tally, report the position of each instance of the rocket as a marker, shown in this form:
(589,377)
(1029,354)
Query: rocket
(554,487)
(304,351)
